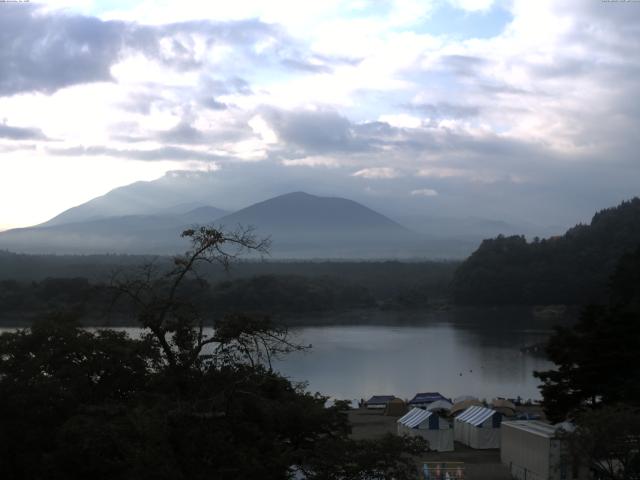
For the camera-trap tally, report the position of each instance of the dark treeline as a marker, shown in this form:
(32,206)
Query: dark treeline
(384,279)
(595,382)
(570,269)
(251,286)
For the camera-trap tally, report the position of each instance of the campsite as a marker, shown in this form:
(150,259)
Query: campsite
(503,439)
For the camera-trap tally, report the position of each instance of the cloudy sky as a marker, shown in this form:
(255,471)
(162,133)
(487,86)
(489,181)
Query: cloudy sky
(513,109)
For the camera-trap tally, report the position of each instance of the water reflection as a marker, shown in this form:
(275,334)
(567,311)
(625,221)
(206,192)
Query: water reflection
(456,352)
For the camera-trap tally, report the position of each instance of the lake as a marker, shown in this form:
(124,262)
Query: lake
(454,352)
(458,352)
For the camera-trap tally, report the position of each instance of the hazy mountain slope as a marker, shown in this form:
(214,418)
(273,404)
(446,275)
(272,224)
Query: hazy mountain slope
(138,234)
(174,193)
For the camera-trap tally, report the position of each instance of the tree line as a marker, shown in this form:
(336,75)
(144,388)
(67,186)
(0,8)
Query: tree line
(570,269)
(596,381)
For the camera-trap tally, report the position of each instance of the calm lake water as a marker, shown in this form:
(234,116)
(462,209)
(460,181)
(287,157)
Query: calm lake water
(455,352)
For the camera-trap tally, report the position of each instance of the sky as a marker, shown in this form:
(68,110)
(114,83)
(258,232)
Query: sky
(503,109)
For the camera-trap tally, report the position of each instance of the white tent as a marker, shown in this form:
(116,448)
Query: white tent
(532,450)
(428,425)
(478,427)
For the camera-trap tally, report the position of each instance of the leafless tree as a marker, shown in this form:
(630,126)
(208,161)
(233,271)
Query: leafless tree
(163,303)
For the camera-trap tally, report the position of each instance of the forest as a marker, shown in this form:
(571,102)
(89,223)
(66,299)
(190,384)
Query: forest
(259,287)
(571,269)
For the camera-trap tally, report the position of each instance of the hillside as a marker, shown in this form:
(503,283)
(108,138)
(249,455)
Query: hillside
(570,269)
(133,234)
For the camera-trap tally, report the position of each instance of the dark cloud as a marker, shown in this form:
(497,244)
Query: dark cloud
(21,133)
(164,153)
(185,133)
(47,51)
(318,131)
(213,104)
(182,133)
(462,65)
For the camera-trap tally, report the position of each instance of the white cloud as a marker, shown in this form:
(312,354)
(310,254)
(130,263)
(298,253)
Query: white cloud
(402,120)
(377,173)
(262,128)
(312,161)
(473,5)
(424,192)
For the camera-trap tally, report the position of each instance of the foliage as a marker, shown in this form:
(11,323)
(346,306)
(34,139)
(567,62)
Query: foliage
(281,294)
(607,441)
(570,269)
(596,362)
(597,381)
(597,358)
(176,403)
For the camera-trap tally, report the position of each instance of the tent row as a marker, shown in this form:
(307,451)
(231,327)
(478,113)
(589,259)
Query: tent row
(477,427)
(435,401)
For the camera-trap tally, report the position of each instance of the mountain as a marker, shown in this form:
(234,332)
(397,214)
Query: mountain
(302,212)
(141,234)
(570,269)
(300,226)
(304,225)
(172,194)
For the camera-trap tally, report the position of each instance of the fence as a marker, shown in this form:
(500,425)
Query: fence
(443,471)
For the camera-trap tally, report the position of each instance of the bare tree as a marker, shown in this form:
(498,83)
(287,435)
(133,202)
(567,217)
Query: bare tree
(164,304)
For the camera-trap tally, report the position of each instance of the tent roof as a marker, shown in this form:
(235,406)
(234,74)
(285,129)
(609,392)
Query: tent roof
(463,405)
(476,415)
(398,401)
(380,399)
(537,427)
(502,403)
(415,417)
(464,398)
(440,405)
(426,397)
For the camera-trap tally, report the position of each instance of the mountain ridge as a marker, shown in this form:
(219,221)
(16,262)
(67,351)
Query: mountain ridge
(301,225)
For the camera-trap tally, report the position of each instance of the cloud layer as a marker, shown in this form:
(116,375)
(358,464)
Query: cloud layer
(530,114)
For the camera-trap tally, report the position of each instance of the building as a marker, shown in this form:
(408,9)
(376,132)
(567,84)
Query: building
(378,401)
(533,451)
(428,425)
(478,427)
(422,400)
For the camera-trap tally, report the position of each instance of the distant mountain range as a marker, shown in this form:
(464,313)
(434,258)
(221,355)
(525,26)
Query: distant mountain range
(148,217)
(300,226)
